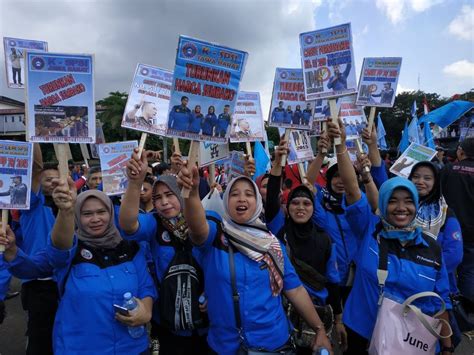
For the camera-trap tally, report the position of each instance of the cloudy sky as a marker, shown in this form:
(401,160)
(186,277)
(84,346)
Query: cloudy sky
(434,37)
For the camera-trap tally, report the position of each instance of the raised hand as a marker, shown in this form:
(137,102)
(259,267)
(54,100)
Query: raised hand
(188,178)
(64,194)
(137,166)
(176,162)
(8,239)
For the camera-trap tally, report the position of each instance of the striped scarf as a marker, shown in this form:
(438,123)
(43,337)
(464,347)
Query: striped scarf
(260,245)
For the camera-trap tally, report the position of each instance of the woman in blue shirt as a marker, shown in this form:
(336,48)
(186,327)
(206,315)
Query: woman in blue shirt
(166,231)
(94,267)
(245,306)
(312,252)
(415,262)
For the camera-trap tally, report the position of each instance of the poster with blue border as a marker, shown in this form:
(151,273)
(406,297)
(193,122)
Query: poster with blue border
(247,121)
(206,82)
(15,59)
(288,107)
(378,81)
(60,105)
(16,165)
(148,100)
(327,59)
(113,161)
(300,147)
(211,153)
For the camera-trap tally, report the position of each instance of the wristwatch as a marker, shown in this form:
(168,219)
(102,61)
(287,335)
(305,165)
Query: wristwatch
(448,348)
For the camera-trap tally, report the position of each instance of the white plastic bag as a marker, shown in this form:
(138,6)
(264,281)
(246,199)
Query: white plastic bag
(213,202)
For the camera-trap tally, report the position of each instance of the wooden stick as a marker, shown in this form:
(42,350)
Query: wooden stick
(4,227)
(283,157)
(334,117)
(302,172)
(176,145)
(61,155)
(141,145)
(192,159)
(248,147)
(68,151)
(325,127)
(371,118)
(212,174)
(361,150)
(85,154)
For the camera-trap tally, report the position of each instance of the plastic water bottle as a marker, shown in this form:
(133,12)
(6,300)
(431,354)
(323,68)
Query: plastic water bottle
(130,303)
(321,351)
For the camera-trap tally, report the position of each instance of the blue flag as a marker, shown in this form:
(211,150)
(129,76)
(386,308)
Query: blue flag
(404,142)
(414,133)
(261,160)
(428,136)
(381,134)
(447,114)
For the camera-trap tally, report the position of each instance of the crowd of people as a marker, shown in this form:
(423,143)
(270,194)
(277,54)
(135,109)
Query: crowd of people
(276,264)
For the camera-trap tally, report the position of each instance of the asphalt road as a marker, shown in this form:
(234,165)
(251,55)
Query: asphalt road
(13,341)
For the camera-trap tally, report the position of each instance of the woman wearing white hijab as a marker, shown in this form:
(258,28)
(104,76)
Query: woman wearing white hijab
(246,270)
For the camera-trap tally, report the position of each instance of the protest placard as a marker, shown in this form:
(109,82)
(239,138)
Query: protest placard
(352,116)
(288,107)
(15,174)
(247,120)
(99,139)
(67,80)
(412,155)
(378,81)
(148,100)
(234,165)
(300,147)
(327,59)
(15,59)
(206,81)
(113,161)
(211,152)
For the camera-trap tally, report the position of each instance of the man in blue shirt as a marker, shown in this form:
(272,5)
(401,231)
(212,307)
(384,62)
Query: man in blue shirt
(223,122)
(386,94)
(307,113)
(338,81)
(278,114)
(180,116)
(288,115)
(39,296)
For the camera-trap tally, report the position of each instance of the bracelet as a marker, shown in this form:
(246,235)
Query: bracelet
(343,152)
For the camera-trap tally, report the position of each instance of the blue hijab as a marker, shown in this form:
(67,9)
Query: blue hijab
(412,230)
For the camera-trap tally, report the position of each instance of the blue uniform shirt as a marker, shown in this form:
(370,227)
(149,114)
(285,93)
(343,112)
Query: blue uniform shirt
(339,82)
(262,315)
(85,322)
(180,117)
(346,242)
(306,116)
(222,123)
(417,267)
(196,121)
(36,225)
(161,250)
(297,117)
(278,115)
(379,174)
(208,124)
(288,117)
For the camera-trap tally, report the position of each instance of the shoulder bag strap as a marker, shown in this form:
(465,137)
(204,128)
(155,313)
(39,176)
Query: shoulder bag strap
(382,271)
(235,293)
(342,235)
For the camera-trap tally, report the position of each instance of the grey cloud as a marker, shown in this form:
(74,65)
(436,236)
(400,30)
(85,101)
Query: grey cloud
(123,33)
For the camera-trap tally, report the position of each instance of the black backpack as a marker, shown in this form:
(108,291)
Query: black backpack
(180,288)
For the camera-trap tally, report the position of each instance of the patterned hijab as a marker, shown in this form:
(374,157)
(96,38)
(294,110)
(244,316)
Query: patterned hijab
(431,214)
(111,237)
(253,238)
(410,231)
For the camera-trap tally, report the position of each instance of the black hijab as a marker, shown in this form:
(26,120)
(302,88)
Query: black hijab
(435,193)
(310,247)
(331,200)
